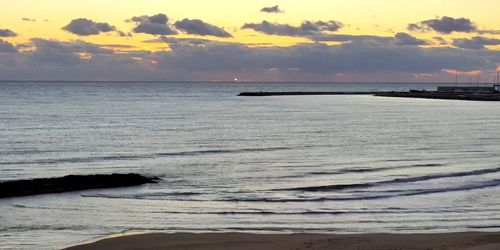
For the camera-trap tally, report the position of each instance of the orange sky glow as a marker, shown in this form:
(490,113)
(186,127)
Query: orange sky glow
(180,40)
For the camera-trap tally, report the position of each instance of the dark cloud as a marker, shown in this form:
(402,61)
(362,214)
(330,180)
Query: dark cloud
(492,32)
(273,9)
(184,41)
(117,46)
(477,42)
(274,29)
(440,40)
(63,53)
(406,39)
(87,27)
(349,38)
(153,25)
(159,39)
(399,39)
(191,59)
(7,33)
(416,27)
(444,25)
(307,28)
(171,41)
(198,27)
(6,47)
(354,57)
(56,60)
(322,26)
(123,34)
(26,19)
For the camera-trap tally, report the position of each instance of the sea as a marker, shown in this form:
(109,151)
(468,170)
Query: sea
(281,164)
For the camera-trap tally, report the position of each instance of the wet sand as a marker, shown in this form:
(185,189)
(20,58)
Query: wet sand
(238,241)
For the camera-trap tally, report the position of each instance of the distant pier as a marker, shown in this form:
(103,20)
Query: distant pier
(445,93)
(304,93)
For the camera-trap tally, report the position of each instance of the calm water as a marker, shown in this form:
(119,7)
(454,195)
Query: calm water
(233,163)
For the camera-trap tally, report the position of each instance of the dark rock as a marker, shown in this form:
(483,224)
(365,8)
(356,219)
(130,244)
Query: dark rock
(69,183)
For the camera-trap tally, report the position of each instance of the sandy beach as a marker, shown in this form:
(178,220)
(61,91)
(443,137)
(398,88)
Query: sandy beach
(239,241)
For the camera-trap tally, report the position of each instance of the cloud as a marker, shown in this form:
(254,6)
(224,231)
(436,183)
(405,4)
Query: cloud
(440,40)
(444,25)
(6,47)
(184,41)
(354,57)
(123,34)
(492,32)
(349,38)
(7,33)
(399,39)
(153,25)
(322,25)
(63,53)
(26,19)
(202,59)
(87,27)
(56,60)
(406,39)
(476,43)
(117,46)
(198,27)
(307,28)
(273,9)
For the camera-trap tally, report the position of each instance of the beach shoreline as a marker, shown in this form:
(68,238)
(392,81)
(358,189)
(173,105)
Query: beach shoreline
(245,241)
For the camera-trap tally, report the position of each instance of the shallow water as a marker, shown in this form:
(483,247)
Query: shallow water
(340,164)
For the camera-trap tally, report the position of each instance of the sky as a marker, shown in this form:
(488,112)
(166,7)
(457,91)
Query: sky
(250,41)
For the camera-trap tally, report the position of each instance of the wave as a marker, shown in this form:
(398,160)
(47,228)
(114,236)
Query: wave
(45,208)
(250,213)
(338,212)
(187,193)
(393,181)
(384,195)
(223,151)
(480,185)
(43,228)
(367,170)
(76,160)
(142,156)
(485,227)
(146,196)
(28,152)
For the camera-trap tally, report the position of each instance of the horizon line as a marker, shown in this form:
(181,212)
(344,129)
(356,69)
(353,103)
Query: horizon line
(238,82)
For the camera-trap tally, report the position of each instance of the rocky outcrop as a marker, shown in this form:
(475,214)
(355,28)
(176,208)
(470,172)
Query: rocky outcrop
(69,183)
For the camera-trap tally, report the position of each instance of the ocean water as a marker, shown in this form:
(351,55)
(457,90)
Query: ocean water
(337,164)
